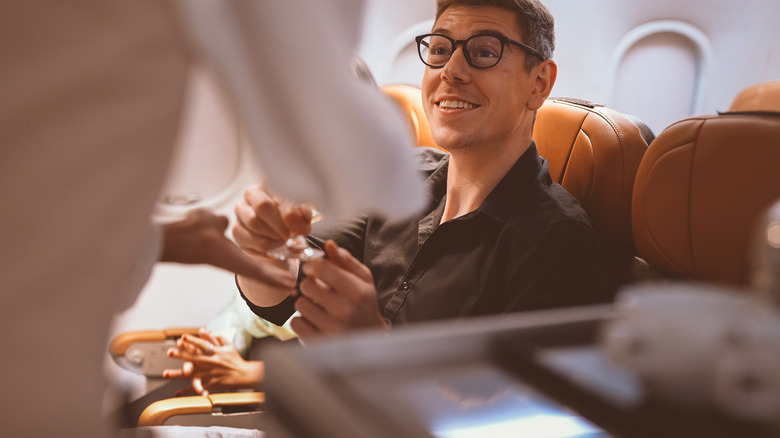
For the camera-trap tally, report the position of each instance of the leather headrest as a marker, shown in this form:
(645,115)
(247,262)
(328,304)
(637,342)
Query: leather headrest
(759,97)
(594,152)
(699,193)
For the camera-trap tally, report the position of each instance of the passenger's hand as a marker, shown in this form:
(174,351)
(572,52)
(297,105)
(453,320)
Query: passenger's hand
(338,295)
(212,363)
(200,238)
(265,222)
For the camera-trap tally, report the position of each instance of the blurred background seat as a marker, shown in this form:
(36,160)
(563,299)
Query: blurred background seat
(706,218)
(702,187)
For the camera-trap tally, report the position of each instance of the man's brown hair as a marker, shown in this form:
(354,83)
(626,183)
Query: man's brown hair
(535,22)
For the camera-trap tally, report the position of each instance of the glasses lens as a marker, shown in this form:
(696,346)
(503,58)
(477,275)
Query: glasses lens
(484,51)
(435,50)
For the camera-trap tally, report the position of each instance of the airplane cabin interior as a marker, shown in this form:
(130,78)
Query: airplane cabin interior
(663,123)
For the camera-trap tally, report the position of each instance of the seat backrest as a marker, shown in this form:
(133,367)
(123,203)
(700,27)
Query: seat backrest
(593,152)
(409,99)
(702,187)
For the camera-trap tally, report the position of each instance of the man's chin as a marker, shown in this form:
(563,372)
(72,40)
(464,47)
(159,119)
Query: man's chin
(451,140)
(453,146)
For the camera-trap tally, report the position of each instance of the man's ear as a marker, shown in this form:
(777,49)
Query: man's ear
(546,73)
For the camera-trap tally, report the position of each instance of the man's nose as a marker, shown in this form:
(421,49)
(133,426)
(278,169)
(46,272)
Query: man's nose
(457,68)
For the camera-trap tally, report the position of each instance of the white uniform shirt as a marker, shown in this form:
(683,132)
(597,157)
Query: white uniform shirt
(90,94)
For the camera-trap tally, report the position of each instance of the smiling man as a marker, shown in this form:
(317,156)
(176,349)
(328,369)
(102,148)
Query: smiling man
(497,236)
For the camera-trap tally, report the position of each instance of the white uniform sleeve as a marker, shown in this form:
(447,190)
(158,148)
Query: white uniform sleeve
(320,135)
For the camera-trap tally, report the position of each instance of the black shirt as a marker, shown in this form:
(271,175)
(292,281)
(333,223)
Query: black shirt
(529,246)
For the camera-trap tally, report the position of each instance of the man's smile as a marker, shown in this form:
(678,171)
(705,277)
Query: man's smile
(455,104)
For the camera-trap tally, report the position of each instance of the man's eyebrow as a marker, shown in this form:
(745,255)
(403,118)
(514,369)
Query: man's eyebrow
(442,31)
(491,32)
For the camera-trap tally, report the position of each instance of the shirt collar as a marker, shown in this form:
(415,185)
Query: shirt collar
(499,205)
(501,202)
(437,180)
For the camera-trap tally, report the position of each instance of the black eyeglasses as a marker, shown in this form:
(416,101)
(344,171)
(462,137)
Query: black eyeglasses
(481,51)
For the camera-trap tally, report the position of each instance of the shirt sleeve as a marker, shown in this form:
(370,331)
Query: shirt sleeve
(278,314)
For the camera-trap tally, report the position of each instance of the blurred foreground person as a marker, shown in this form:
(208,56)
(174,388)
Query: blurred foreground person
(89,113)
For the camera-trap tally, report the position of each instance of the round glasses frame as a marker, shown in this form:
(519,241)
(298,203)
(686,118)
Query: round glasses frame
(422,45)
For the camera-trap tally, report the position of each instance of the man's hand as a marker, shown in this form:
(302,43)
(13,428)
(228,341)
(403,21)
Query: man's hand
(338,295)
(265,222)
(200,238)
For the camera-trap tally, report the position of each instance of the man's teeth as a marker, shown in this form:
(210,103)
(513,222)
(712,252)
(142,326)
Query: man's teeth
(455,104)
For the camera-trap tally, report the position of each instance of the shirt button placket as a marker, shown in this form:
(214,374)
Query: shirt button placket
(405,286)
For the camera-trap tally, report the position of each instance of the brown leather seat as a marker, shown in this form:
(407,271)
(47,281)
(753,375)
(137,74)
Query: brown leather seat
(409,100)
(759,97)
(593,152)
(702,186)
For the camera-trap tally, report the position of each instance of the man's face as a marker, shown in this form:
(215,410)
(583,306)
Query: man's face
(467,106)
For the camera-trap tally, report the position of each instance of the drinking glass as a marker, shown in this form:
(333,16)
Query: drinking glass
(297,247)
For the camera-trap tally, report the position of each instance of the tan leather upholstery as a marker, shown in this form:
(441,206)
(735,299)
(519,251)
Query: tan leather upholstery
(409,99)
(700,191)
(760,97)
(594,152)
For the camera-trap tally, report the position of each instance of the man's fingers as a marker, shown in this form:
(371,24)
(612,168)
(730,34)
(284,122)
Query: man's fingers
(317,316)
(296,217)
(304,329)
(263,213)
(255,243)
(344,287)
(248,218)
(348,283)
(336,305)
(343,258)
